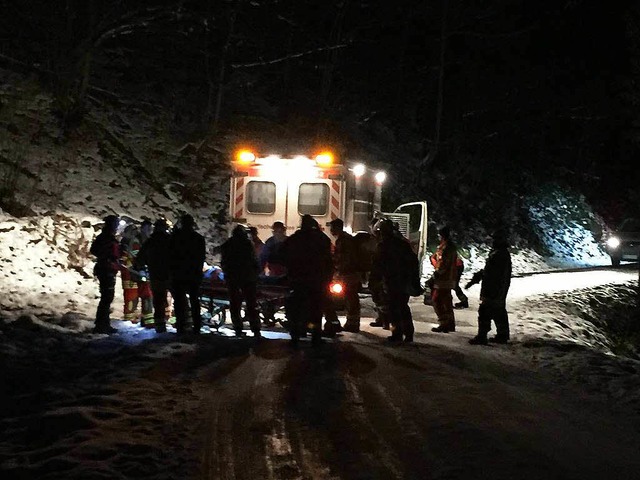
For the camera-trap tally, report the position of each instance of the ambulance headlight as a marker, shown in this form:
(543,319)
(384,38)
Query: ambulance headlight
(380,177)
(359,170)
(613,242)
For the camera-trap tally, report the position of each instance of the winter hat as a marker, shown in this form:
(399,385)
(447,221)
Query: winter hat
(187,221)
(500,238)
(239,231)
(111,223)
(160,225)
(308,222)
(337,222)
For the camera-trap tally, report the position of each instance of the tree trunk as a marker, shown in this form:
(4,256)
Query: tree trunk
(332,59)
(222,66)
(440,97)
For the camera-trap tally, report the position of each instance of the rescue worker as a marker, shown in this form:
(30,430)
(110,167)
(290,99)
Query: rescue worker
(187,255)
(444,280)
(135,284)
(395,264)
(155,254)
(271,259)
(344,261)
(107,252)
(307,257)
(496,279)
(376,285)
(463,300)
(240,267)
(135,287)
(146,230)
(258,244)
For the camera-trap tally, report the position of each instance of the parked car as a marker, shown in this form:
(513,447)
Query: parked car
(624,242)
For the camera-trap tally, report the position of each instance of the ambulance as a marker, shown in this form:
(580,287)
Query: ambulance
(270,188)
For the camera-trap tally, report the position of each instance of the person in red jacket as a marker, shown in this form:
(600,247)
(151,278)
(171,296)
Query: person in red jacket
(444,281)
(135,287)
(107,252)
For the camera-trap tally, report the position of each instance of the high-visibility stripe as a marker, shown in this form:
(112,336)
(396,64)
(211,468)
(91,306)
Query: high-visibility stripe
(334,206)
(239,200)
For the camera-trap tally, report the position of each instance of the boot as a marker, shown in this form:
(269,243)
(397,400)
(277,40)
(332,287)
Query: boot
(108,329)
(479,340)
(499,339)
(351,327)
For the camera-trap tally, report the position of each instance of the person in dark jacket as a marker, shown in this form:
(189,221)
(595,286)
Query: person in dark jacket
(396,265)
(345,262)
(155,254)
(107,251)
(496,279)
(307,256)
(188,250)
(271,260)
(240,267)
(463,300)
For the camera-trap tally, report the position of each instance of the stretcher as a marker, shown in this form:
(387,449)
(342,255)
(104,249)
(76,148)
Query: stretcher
(272,295)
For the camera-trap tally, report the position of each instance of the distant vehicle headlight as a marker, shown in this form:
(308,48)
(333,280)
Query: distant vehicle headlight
(613,242)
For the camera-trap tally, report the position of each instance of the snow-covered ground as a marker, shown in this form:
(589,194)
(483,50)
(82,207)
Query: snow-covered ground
(145,405)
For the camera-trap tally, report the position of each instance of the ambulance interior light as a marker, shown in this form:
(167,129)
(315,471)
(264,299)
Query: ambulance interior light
(380,177)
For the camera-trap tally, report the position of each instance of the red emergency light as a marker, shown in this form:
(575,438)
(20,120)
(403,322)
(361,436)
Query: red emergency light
(336,288)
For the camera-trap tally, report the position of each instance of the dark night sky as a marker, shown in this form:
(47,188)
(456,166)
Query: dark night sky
(547,85)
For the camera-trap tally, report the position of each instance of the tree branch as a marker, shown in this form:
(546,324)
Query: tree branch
(288,57)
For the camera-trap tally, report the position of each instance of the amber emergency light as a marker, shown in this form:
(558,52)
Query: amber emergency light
(324,159)
(245,156)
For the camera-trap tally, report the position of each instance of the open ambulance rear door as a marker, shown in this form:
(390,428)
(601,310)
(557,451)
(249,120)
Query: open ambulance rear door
(412,218)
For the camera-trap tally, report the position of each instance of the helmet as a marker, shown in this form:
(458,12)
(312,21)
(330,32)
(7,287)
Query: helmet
(445,232)
(385,226)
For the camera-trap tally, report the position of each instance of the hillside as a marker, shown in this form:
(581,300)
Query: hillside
(123,160)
